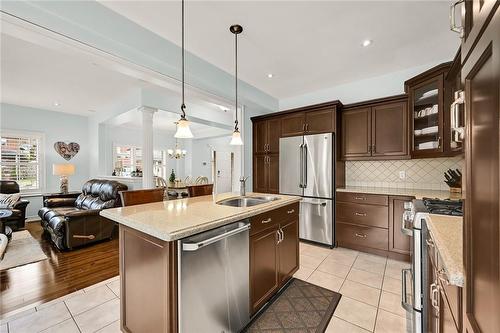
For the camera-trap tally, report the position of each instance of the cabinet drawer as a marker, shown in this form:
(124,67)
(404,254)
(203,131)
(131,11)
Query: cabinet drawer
(369,215)
(362,236)
(371,199)
(273,217)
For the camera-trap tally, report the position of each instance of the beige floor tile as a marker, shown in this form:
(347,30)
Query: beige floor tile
(391,263)
(40,320)
(364,277)
(342,257)
(303,273)
(392,285)
(393,272)
(392,303)
(345,250)
(360,292)
(369,266)
(13,315)
(89,300)
(115,287)
(308,261)
(60,299)
(333,267)
(67,326)
(316,251)
(389,323)
(325,280)
(372,257)
(357,313)
(99,317)
(114,327)
(338,325)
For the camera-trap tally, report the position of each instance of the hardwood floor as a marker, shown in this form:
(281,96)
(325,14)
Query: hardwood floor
(61,274)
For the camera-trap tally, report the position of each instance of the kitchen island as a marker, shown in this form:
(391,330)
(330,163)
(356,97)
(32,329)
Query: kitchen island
(160,292)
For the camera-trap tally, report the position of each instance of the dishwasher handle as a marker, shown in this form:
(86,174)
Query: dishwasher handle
(208,241)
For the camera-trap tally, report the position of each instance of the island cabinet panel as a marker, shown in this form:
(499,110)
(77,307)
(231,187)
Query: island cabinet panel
(274,252)
(264,263)
(289,251)
(148,268)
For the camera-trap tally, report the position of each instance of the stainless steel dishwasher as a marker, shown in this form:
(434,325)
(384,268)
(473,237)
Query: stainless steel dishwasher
(214,280)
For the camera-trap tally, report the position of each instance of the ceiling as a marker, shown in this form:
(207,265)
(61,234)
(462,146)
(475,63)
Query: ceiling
(40,77)
(165,121)
(306,45)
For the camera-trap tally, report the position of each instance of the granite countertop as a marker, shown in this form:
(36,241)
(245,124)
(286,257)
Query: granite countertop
(446,231)
(417,193)
(175,219)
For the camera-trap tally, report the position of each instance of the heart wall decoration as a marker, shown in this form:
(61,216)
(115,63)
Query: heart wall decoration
(67,150)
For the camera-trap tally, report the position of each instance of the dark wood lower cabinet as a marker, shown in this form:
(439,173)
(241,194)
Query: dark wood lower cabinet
(264,261)
(274,253)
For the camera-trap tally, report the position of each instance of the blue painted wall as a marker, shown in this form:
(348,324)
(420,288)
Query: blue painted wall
(56,126)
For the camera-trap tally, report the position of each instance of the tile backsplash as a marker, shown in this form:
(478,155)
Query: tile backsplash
(419,173)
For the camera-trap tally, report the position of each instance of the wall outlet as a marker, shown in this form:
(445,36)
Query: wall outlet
(402,174)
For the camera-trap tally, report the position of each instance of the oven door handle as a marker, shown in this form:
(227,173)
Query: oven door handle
(404,302)
(406,231)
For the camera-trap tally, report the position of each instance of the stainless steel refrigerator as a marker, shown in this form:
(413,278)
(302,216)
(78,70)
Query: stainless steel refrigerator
(307,168)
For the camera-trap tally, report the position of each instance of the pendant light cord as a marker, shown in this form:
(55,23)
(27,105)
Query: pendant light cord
(236,79)
(183,106)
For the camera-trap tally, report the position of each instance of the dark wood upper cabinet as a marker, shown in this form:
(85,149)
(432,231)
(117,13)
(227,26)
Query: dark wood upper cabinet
(320,121)
(390,130)
(266,136)
(376,129)
(481,81)
(260,173)
(273,166)
(356,133)
(293,124)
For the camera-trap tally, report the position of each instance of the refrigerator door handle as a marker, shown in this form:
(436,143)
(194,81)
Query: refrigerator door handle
(304,160)
(301,163)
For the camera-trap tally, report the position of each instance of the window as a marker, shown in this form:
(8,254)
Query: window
(22,157)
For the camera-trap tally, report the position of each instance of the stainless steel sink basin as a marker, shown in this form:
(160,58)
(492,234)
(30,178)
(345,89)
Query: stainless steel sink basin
(246,201)
(267,198)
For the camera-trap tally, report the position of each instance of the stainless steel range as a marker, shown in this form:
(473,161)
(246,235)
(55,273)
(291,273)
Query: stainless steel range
(415,294)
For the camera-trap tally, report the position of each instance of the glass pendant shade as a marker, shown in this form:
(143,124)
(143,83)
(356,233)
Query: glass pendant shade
(236,139)
(183,130)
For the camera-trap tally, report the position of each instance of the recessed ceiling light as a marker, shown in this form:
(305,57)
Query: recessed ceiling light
(223,108)
(366,42)
(270,75)
(57,103)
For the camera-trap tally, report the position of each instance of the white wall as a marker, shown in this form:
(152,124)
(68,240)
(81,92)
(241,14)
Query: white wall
(56,126)
(362,90)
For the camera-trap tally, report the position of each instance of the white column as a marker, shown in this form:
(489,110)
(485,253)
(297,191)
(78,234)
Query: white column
(147,147)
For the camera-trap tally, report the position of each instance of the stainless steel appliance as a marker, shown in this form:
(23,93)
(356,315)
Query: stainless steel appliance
(307,167)
(415,294)
(214,280)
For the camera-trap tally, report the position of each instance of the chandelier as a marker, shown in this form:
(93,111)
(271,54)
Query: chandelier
(176,153)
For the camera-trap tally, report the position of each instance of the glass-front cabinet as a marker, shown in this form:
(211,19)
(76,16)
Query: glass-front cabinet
(429,98)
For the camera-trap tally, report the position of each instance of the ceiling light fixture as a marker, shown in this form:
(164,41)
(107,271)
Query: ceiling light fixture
(270,75)
(367,42)
(236,139)
(57,104)
(183,130)
(176,153)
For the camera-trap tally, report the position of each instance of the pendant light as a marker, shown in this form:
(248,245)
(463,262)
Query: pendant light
(236,139)
(183,131)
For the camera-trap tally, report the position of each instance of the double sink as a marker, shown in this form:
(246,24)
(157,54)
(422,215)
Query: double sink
(247,201)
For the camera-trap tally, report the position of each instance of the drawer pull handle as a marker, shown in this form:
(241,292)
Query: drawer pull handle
(360,198)
(360,214)
(429,242)
(267,220)
(360,235)
(291,211)
(84,236)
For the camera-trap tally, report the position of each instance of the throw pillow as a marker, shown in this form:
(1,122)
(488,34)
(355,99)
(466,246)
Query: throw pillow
(9,200)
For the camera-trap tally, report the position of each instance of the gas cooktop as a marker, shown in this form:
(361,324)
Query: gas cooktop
(443,207)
